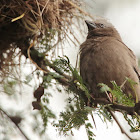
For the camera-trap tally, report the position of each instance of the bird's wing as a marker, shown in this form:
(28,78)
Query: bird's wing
(134,59)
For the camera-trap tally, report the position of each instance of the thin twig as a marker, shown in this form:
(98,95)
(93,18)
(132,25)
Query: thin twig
(123,84)
(15,125)
(108,96)
(39,11)
(93,120)
(121,128)
(44,7)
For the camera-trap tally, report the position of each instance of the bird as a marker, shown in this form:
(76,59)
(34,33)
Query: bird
(104,57)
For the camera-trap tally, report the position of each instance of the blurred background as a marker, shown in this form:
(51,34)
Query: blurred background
(124,15)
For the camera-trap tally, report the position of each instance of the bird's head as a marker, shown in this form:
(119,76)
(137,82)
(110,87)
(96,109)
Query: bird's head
(100,23)
(101,27)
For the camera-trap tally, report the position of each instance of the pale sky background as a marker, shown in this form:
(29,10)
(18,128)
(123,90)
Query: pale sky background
(125,16)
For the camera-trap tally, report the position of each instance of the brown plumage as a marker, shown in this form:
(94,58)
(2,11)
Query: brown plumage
(104,58)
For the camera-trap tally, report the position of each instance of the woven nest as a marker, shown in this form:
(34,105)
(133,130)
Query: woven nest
(23,20)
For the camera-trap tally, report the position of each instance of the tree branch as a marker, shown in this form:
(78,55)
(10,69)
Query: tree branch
(15,124)
(121,128)
(117,107)
(65,81)
(44,63)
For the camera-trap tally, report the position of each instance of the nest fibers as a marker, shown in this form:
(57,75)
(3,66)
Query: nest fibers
(23,20)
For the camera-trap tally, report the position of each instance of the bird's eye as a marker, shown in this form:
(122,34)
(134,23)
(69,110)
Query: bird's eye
(102,25)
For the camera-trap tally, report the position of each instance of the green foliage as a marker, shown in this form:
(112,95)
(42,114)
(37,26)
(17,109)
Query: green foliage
(133,121)
(62,64)
(90,134)
(46,113)
(76,84)
(132,83)
(122,99)
(78,109)
(74,117)
(76,113)
(117,94)
(104,88)
(120,96)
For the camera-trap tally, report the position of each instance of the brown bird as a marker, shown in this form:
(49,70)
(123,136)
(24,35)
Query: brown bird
(104,58)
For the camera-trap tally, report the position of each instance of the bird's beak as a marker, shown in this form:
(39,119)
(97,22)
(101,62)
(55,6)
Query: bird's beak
(90,25)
